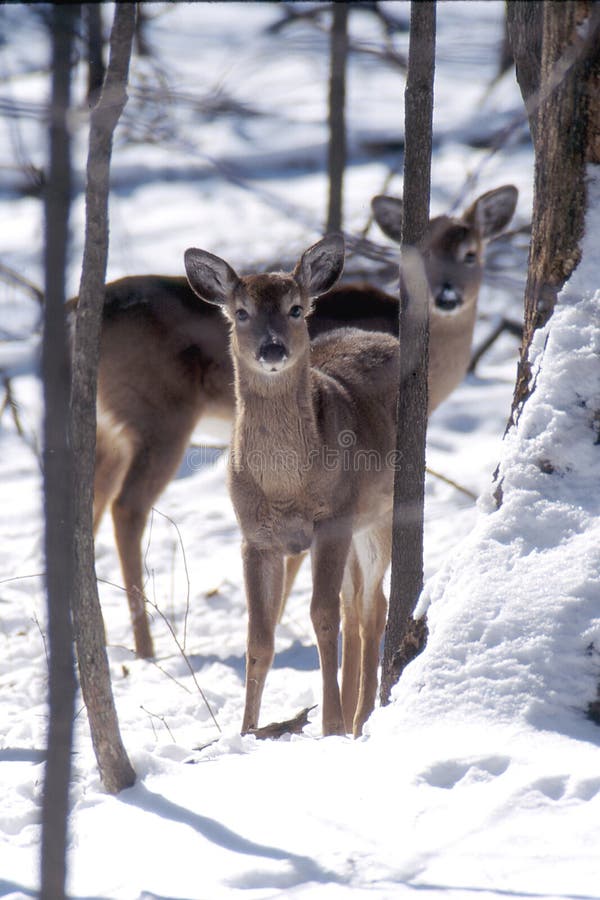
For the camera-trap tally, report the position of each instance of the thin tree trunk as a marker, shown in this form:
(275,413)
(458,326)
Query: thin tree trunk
(337,115)
(566,138)
(409,482)
(95,48)
(57,468)
(115,768)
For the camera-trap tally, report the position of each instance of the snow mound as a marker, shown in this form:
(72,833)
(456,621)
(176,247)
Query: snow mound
(513,614)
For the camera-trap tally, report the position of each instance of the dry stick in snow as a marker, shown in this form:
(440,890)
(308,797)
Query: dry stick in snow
(115,769)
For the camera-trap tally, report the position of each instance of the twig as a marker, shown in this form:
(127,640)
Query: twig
(43,637)
(9,274)
(186,660)
(22,577)
(449,481)
(160,719)
(514,328)
(289,726)
(185,566)
(10,402)
(130,650)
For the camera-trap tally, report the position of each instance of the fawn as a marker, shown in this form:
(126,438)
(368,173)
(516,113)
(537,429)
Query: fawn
(311,466)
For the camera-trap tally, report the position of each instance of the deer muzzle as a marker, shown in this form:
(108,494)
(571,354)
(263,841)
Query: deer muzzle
(448,298)
(272,355)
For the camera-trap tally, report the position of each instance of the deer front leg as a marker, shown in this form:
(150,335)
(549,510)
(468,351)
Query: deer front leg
(329,551)
(263,577)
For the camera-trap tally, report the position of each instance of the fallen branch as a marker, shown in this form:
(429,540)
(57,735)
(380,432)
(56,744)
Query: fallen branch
(278,729)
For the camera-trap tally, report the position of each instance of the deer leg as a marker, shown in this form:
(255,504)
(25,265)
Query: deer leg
(292,567)
(371,633)
(113,454)
(263,577)
(373,551)
(350,595)
(152,467)
(330,547)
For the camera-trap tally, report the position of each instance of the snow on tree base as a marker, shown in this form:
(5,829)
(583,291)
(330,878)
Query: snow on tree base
(513,616)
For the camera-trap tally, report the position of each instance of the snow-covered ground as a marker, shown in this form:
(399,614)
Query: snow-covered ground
(483,776)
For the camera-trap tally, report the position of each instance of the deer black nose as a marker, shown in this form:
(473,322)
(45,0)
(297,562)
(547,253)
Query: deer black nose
(448,298)
(272,354)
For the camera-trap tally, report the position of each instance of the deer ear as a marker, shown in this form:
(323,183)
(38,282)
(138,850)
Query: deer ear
(209,276)
(388,213)
(321,265)
(492,212)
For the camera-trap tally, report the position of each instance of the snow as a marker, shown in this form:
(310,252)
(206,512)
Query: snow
(482,777)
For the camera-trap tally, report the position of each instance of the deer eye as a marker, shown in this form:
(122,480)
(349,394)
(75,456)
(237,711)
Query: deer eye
(470,258)
(296,311)
(241,315)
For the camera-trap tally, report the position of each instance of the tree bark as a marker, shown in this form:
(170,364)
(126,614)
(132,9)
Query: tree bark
(524,20)
(57,468)
(566,137)
(115,768)
(337,115)
(409,481)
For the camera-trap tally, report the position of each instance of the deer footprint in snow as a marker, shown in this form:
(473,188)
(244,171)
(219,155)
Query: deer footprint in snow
(447,774)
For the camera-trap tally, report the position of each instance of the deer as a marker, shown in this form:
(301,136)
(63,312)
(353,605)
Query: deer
(165,365)
(307,415)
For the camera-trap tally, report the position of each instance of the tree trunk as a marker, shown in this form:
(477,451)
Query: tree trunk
(95,49)
(337,117)
(409,481)
(524,21)
(566,137)
(57,468)
(115,768)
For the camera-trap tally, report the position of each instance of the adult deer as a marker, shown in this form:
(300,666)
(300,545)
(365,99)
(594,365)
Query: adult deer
(311,465)
(165,364)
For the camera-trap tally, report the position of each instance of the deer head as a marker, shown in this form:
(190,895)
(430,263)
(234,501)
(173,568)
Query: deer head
(452,247)
(267,312)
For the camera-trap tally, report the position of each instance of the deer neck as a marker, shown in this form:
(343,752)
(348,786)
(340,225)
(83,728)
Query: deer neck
(275,434)
(450,340)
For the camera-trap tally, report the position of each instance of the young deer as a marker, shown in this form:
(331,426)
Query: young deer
(164,365)
(311,464)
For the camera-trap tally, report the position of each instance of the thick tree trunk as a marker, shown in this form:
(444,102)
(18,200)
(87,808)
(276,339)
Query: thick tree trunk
(337,115)
(524,20)
(566,114)
(115,768)
(57,468)
(409,482)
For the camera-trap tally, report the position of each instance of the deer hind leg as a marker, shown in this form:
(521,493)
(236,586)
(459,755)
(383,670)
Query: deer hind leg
(292,567)
(373,553)
(330,547)
(113,455)
(351,596)
(263,578)
(152,466)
